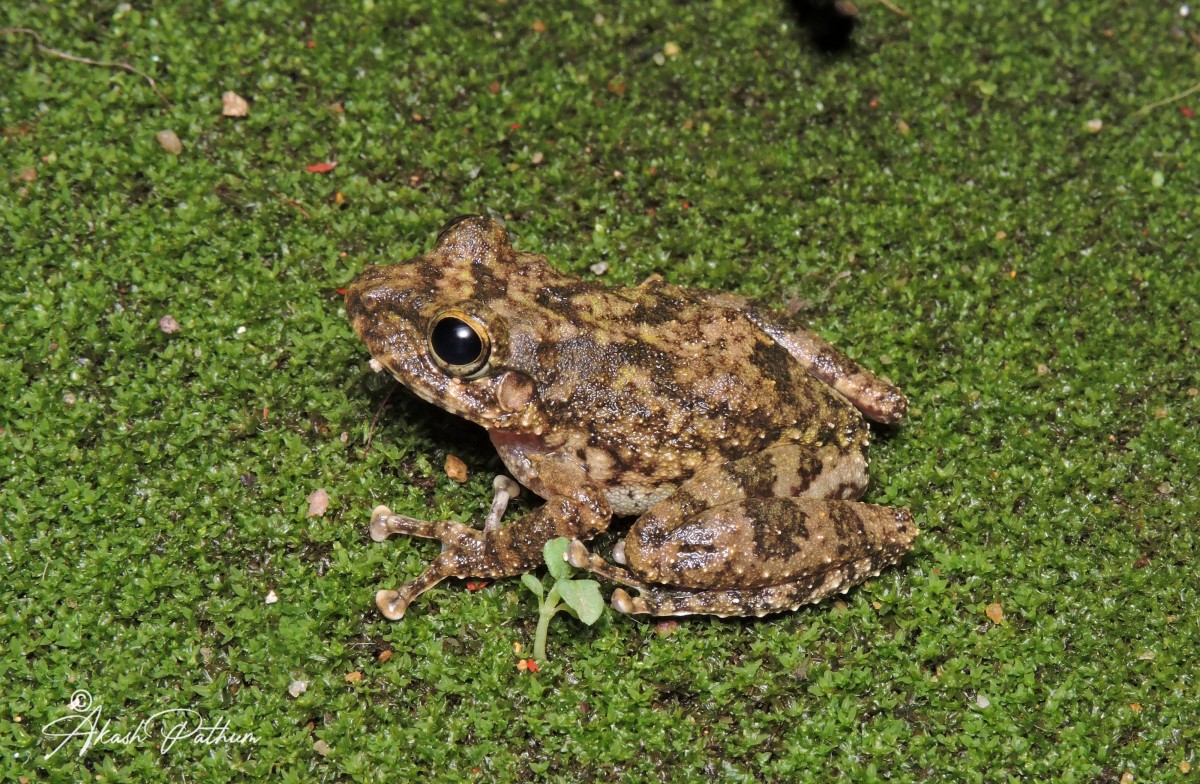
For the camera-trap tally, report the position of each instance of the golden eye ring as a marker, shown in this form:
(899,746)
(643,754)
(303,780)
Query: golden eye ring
(459,343)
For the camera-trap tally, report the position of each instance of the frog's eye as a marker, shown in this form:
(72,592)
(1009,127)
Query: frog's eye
(458,342)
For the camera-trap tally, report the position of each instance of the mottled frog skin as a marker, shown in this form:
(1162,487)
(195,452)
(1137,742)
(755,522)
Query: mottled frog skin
(736,437)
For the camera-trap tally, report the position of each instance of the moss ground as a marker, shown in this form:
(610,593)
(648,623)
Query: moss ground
(967,200)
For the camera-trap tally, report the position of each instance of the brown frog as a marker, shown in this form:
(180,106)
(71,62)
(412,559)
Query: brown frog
(735,436)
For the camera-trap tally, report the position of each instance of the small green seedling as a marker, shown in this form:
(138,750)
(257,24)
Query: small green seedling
(580,598)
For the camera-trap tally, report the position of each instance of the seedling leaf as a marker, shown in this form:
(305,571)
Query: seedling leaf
(582,596)
(555,553)
(533,584)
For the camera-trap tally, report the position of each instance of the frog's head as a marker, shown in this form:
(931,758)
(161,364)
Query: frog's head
(428,321)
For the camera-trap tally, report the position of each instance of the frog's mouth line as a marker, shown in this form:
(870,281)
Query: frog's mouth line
(439,397)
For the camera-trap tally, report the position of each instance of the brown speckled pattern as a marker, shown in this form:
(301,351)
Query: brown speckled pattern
(710,417)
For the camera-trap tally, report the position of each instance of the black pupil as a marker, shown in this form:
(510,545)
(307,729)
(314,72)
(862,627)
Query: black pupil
(455,342)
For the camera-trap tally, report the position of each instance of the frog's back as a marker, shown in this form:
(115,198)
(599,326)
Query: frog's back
(660,378)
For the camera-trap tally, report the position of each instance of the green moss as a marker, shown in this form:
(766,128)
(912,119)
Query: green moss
(933,200)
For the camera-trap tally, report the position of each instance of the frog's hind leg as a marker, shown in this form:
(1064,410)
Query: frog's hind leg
(761,555)
(877,398)
(581,558)
(726,603)
(769,532)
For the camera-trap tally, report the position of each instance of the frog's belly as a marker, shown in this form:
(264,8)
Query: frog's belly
(519,452)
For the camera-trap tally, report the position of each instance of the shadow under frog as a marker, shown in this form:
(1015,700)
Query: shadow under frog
(737,438)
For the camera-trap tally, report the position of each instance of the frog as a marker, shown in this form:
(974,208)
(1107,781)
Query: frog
(734,436)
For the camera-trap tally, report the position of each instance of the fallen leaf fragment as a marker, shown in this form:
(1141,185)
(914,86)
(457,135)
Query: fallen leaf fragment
(321,168)
(995,613)
(456,469)
(318,502)
(353,677)
(322,748)
(168,324)
(28,174)
(296,688)
(233,105)
(385,655)
(272,597)
(169,142)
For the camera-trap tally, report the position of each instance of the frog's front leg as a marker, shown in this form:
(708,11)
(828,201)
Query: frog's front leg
(574,510)
(763,534)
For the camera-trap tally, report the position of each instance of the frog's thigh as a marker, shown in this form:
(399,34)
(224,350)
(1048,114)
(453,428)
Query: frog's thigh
(781,471)
(763,555)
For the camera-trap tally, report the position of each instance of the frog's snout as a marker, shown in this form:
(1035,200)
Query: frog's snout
(367,292)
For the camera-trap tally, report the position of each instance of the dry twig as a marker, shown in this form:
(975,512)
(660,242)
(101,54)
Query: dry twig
(889,5)
(378,413)
(291,203)
(1177,97)
(85,60)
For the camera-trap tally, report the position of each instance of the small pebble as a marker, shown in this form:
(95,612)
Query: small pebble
(272,597)
(234,105)
(169,142)
(168,325)
(599,268)
(456,469)
(296,688)
(1095,125)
